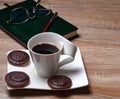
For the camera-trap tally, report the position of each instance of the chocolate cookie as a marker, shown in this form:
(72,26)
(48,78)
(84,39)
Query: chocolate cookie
(59,82)
(17,79)
(18,58)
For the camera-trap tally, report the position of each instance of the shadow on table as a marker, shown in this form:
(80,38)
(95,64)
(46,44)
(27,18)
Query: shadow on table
(28,92)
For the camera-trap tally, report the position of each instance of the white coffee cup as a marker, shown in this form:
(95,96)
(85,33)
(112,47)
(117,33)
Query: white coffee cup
(47,65)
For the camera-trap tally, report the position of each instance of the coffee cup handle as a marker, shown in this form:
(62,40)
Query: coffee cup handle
(69,50)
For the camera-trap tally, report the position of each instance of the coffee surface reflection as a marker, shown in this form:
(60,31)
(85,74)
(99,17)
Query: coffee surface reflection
(45,48)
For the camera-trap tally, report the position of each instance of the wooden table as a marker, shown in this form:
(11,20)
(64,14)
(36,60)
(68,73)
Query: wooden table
(99,41)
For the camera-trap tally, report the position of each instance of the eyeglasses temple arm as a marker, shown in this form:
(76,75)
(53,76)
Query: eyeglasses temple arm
(38,1)
(7,5)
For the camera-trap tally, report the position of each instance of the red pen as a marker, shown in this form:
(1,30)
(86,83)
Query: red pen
(50,21)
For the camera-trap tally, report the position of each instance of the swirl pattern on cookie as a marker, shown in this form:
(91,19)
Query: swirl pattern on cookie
(59,82)
(17,79)
(18,57)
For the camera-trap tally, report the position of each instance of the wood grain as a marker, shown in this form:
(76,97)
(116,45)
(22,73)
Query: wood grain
(99,41)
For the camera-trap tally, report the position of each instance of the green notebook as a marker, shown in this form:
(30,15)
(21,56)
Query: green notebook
(23,32)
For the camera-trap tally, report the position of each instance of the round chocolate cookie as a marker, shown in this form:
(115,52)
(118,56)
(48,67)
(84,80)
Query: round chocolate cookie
(18,58)
(59,82)
(17,79)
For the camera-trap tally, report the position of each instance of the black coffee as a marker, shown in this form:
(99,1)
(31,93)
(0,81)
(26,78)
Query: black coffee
(45,48)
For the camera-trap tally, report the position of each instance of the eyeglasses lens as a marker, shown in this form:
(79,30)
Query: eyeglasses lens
(41,12)
(19,15)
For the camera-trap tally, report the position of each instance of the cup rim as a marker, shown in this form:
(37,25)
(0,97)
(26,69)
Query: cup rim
(44,33)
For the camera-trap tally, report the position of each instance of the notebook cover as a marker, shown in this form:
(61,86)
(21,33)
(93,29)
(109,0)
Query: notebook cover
(23,32)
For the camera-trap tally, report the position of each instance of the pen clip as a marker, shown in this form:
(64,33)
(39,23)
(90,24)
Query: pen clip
(54,17)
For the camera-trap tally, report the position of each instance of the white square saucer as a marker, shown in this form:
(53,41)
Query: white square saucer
(74,70)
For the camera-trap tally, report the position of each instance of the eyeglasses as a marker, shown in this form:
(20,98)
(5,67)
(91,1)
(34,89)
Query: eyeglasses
(21,15)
